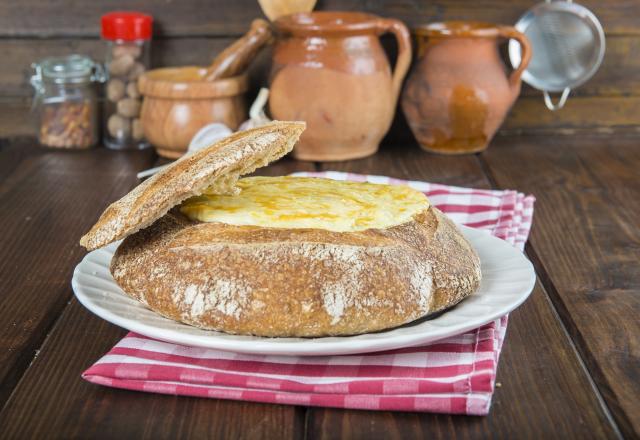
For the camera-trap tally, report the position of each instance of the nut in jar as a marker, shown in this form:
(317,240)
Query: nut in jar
(65,101)
(127,35)
(67,125)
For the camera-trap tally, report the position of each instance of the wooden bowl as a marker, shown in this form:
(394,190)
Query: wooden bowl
(178,102)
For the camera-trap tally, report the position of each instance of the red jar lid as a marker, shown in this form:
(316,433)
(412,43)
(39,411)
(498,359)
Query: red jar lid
(126,25)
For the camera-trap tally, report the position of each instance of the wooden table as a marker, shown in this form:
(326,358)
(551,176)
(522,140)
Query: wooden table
(570,367)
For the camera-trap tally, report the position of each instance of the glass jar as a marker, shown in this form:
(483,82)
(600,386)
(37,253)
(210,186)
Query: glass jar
(65,101)
(128,47)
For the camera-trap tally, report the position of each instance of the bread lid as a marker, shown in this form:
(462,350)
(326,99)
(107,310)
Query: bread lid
(215,169)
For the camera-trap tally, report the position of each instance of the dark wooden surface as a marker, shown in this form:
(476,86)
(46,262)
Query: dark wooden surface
(587,248)
(570,364)
(192,31)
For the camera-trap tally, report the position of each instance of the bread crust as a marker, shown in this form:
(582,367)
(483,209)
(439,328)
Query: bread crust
(297,282)
(215,168)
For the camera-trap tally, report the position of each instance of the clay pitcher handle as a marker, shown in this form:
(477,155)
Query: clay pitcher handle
(400,31)
(235,58)
(525,52)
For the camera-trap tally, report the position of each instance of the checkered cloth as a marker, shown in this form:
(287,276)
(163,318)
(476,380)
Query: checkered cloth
(455,375)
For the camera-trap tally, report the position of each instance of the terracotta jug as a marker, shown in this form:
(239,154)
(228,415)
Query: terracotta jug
(459,92)
(330,70)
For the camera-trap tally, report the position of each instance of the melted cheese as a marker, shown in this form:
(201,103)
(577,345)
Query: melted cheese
(303,202)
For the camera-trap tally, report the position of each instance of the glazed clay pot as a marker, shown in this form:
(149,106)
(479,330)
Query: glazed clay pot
(459,92)
(178,102)
(330,70)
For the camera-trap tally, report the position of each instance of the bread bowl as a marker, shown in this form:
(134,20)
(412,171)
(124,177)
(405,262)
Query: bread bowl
(285,256)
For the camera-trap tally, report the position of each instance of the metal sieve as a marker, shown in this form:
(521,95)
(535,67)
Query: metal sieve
(568,47)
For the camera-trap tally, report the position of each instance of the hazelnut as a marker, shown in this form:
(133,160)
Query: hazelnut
(119,127)
(121,50)
(136,129)
(132,90)
(115,89)
(128,107)
(121,65)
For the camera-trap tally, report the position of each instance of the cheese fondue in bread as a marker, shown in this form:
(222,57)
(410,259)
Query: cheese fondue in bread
(303,202)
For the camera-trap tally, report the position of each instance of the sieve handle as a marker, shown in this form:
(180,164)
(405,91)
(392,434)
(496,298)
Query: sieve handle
(525,51)
(563,99)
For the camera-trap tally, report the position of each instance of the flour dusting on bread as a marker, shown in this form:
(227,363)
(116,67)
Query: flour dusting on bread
(227,296)
(334,297)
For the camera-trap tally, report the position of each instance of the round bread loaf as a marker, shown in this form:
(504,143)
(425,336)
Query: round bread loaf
(281,257)
(297,282)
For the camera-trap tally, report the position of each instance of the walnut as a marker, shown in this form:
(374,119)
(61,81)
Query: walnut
(120,50)
(119,127)
(132,90)
(122,65)
(136,129)
(115,89)
(128,107)
(136,70)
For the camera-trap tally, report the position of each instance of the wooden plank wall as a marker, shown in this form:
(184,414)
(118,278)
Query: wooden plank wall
(193,31)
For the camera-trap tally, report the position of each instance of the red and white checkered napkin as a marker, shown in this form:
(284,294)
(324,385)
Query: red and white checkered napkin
(455,375)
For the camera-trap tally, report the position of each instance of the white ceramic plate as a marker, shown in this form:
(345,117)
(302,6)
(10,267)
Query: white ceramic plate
(507,280)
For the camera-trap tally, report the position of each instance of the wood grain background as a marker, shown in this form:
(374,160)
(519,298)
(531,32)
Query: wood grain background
(193,31)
